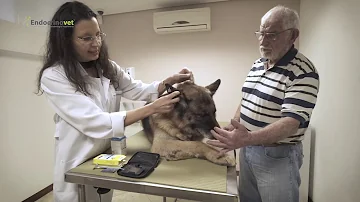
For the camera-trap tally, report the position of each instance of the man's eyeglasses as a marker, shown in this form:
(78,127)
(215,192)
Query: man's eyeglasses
(89,39)
(269,35)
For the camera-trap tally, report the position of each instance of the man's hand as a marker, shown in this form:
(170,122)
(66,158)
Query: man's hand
(230,140)
(229,127)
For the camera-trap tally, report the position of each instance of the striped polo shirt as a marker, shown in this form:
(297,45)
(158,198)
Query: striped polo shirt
(288,89)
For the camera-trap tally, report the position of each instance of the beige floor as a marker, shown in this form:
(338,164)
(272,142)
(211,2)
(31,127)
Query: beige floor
(120,196)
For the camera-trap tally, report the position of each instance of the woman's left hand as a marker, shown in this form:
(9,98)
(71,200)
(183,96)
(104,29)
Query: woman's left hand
(184,75)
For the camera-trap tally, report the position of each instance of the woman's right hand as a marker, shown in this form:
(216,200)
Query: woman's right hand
(165,103)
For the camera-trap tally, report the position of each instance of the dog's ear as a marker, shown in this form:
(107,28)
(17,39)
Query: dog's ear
(213,87)
(182,105)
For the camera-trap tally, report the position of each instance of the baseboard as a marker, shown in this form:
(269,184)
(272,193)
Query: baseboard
(310,200)
(39,194)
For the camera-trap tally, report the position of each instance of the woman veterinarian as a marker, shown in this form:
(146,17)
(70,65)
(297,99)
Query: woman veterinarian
(79,82)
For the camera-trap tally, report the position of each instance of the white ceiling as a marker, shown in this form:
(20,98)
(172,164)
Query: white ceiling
(123,6)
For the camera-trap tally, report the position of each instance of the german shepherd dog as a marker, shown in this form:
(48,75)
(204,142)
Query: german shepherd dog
(181,133)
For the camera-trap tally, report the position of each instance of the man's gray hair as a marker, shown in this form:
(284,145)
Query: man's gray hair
(288,16)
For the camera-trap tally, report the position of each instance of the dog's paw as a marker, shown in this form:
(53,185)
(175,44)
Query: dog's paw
(230,160)
(173,155)
(183,137)
(224,160)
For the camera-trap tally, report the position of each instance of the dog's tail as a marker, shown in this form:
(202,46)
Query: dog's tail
(148,130)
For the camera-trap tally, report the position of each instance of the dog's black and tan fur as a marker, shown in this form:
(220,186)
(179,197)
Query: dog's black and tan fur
(177,135)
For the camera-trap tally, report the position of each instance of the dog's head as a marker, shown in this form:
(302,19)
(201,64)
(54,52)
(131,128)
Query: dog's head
(195,113)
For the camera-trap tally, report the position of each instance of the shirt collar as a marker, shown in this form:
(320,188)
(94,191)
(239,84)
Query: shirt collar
(286,58)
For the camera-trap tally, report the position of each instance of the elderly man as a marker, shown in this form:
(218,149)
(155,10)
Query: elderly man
(278,97)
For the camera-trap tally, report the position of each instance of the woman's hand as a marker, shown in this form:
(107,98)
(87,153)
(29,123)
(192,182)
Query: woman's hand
(184,75)
(165,104)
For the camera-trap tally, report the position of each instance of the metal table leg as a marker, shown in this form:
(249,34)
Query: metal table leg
(81,193)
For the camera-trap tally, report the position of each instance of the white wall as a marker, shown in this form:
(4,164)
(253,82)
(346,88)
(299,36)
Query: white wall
(16,10)
(26,129)
(22,39)
(7,10)
(330,38)
(26,124)
(226,52)
(17,34)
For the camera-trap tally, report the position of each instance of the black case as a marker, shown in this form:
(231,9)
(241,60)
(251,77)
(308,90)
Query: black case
(140,165)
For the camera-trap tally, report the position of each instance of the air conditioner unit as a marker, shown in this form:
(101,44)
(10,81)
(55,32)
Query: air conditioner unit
(189,20)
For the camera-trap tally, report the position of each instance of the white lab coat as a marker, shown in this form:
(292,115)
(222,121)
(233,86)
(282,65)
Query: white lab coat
(83,125)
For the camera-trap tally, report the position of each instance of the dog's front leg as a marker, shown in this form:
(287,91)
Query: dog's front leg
(168,126)
(179,150)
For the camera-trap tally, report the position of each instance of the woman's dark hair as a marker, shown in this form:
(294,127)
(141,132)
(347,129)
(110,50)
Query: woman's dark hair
(60,49)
